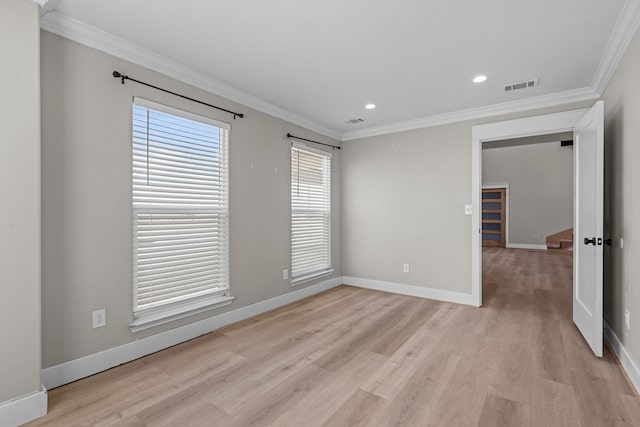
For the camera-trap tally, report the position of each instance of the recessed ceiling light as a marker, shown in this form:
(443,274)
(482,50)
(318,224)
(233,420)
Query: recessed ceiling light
(479,79)
(370,106)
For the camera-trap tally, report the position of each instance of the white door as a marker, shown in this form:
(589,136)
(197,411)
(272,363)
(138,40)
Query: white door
(588,137)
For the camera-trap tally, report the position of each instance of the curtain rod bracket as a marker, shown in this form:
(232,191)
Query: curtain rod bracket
(120,76)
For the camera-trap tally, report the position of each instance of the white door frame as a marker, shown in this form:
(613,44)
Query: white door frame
(518,128)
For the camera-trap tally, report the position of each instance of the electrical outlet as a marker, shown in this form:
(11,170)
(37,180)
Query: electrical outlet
(621,243)
(627,322)
(285,274)
(99,318)
(468,210)
(405,268)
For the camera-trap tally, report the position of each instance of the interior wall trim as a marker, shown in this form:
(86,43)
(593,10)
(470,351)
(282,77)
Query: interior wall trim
(82,367)
(73,29)
(23,409)
(624,30)
(411,290)
(543,101)
(564,121)
(526,246)
(628,364)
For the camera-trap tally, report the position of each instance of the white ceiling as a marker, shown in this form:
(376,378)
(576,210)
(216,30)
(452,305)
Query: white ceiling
(324,60)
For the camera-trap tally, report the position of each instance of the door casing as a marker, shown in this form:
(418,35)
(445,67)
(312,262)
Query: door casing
(508,129)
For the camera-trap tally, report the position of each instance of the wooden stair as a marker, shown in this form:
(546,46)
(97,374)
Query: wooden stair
(561,242)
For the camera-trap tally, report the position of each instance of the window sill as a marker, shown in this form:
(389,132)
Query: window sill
(153,318)
(308,277)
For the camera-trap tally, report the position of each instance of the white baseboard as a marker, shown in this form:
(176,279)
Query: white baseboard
(73,370)
(23,409)
(415,291)
(526,246)
(630,367)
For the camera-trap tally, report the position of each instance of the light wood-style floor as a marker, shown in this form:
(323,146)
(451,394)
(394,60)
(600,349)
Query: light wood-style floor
(357,357)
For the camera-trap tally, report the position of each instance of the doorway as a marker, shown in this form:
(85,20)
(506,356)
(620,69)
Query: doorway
(536,175)
(587,126)
(511,129)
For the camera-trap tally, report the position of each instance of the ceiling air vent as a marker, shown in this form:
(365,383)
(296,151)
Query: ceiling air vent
(521,85)
(354,121)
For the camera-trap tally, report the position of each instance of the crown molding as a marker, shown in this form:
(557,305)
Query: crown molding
(80,32)
(543,101)
(624,30)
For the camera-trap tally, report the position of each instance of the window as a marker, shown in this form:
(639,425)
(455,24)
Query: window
(310,213)
(180,213)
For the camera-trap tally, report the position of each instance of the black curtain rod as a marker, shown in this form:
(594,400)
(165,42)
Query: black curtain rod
(310,140)
(117,75)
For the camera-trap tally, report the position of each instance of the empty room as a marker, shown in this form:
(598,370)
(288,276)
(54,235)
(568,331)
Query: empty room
(296,213)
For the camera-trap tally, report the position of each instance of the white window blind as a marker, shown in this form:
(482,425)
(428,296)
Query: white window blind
(310,212)
(180,208)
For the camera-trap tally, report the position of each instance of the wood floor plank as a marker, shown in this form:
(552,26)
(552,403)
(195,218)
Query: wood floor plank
(498,411)
(282,397)
(631,408)
(552,404)
(359,410)
(387,381)
(328,298)
(364,338)
(550,357)
(596,399)
(462,398)
(187,410)
(332,392)
(409,407)
(233,395)
(305,311)
(352,356)
(393,338)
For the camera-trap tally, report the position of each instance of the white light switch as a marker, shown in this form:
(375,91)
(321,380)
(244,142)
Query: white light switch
(467,210)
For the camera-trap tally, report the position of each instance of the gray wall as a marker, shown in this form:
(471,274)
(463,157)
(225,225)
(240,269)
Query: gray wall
(403,202)
(20,189)
(622,199)
(403,198)
(86,170)
(540,178)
